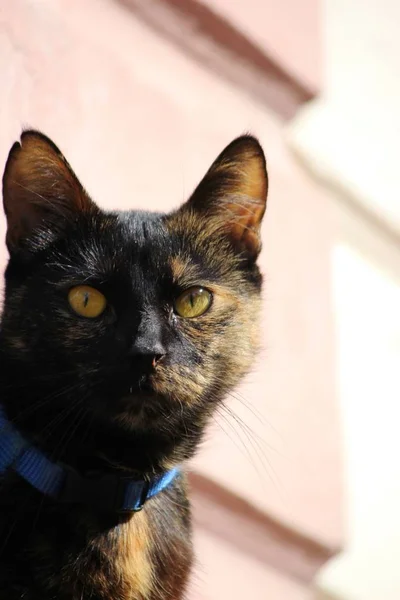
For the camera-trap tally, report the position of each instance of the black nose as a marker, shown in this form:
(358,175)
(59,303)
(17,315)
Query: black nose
(145,355)
(143,347)
(145,363)
(148,349)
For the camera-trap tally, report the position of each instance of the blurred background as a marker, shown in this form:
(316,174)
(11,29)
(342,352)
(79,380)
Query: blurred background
(296,492)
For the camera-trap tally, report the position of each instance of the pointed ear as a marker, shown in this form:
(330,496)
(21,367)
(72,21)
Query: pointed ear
(39,188)
(234,192)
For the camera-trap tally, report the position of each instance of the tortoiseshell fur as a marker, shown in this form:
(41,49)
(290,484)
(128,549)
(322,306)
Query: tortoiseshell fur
(86,392)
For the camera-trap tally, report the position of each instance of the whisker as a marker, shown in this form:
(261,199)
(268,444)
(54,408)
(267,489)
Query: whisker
(254,410)
(29,410)
(243,449)
(259,451)
(260,440)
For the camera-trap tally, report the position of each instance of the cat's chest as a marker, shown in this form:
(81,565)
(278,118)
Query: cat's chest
(72,554)
(116,565)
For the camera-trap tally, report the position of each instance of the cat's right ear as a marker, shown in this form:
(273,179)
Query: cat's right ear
(232,196)
(39,188)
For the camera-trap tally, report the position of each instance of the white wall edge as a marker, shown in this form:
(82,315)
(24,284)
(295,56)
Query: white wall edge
(326,584)
(340,156)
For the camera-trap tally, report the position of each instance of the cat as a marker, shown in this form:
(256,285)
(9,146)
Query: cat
(121,333)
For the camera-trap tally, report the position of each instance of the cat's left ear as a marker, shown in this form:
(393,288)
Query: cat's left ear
(233,194)
(39,188)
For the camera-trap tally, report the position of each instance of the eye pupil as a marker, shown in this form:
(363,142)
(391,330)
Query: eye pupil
(193,303)
(87,301)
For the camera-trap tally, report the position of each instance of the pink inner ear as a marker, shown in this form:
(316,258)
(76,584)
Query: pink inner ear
(38,184)
(244,220)
(252,180)
(233,193)
(249,191)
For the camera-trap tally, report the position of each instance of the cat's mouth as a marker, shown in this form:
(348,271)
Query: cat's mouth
(139,409)
(141,402)
(135,400)
(139,399)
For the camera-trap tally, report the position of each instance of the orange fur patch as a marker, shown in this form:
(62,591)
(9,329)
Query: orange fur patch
(133,558)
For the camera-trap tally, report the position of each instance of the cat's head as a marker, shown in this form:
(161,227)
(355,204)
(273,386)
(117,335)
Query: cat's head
(133,325)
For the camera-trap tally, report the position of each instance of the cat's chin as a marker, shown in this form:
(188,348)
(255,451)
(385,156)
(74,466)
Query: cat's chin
(137,411)
(134,403)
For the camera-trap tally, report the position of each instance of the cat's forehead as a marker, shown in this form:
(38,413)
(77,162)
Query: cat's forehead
(141,227)
(125,241)
(141,235)
(126,246)
(151,244)
(140,247)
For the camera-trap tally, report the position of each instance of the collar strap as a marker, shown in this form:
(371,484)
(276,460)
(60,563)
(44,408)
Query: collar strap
(108,492)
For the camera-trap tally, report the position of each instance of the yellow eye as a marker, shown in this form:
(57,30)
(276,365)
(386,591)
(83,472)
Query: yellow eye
(193,303)
(87,301)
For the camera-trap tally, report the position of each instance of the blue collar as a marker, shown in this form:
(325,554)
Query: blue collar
(106,492)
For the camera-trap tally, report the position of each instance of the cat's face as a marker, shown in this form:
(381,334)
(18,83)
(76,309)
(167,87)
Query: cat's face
(141,321)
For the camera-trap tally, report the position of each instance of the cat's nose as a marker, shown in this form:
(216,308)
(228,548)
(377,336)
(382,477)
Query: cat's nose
(145,352)
(144,363)
(148,347)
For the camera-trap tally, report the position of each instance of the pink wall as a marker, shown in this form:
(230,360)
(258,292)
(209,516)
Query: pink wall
(225,574)
(289,31)
(140,124)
